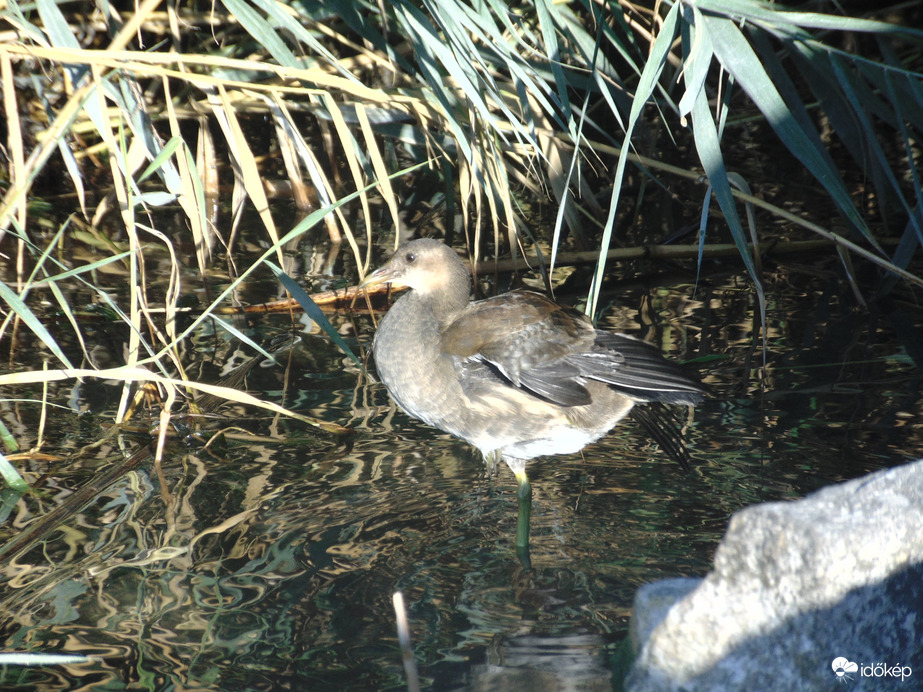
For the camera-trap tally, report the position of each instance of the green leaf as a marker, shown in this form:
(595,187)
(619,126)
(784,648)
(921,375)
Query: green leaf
(709,149)
(430,52)
(650,76)
(7,438)
(697,62)
(299,31)
(312,310)
(11,475)
(56,25)
(771,18)
(737,57)
(546,11)
(262,31)
(27,316)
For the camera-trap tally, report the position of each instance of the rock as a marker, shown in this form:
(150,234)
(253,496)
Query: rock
(796,586)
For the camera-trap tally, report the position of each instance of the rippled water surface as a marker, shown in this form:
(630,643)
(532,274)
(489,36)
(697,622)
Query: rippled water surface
(268,559)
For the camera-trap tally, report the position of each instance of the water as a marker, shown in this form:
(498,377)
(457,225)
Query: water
(268,560)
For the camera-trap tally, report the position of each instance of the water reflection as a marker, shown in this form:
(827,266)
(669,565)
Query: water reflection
(271,563)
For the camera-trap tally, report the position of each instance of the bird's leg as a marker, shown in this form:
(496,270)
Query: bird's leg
(524,495)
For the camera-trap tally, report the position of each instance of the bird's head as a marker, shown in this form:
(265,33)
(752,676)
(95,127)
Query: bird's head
(425,266)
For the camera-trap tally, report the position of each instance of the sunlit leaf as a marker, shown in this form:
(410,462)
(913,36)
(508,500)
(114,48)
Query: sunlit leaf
(29,318)
(11,475)
(646,85)
(738,58)
(709,150)
(262,31)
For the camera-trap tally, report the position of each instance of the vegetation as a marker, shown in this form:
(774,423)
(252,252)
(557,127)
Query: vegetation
(477,109)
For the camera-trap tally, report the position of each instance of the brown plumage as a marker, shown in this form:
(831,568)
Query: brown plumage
(517,375)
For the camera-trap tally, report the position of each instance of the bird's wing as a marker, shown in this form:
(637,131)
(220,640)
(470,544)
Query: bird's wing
(639,370)
(526,338)
(552,351)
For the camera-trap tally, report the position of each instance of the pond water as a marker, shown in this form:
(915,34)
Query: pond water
(268,560)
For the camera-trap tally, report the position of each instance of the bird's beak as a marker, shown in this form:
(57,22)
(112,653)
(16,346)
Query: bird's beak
(382,275)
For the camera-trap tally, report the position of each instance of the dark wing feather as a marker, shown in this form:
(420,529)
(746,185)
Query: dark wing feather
(527,339)
(559,382)
(552,351)
(660,423)
(644,373)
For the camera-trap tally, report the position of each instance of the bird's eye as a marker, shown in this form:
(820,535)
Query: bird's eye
(410,258)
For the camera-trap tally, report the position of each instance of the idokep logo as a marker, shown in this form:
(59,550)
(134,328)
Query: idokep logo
(842,666)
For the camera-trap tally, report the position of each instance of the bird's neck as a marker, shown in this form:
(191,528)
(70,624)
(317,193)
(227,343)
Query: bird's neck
(442,308)
(448,302)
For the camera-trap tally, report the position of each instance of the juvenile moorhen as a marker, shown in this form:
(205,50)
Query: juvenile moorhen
(517,375)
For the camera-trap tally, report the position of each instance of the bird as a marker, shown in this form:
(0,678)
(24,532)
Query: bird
(516,375)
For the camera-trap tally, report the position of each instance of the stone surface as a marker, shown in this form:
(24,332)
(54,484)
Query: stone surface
(795,586)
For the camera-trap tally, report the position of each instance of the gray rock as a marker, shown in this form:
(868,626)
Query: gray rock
(797,585)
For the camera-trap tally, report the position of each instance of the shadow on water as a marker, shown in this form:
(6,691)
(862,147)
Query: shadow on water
(270,563)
